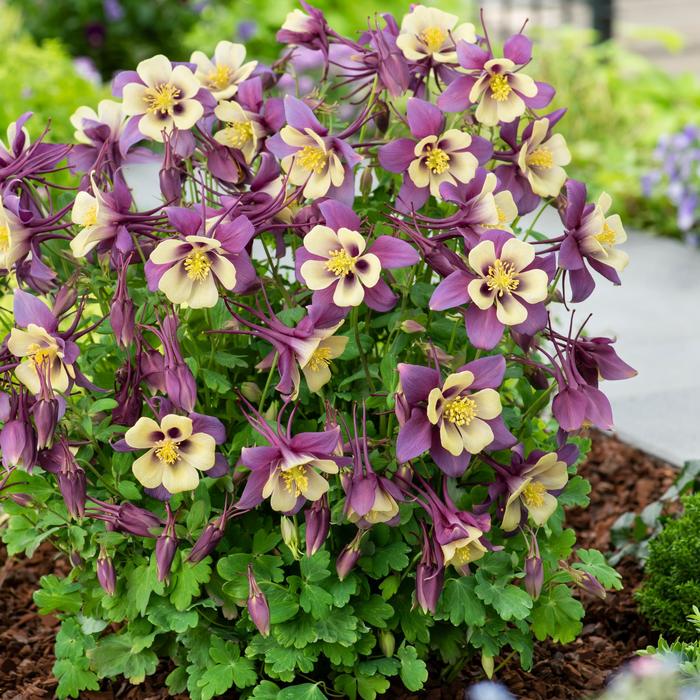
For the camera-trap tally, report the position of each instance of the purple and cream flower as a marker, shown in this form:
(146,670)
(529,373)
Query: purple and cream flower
(541,158)
(323,164)
(15,237)
(97,216)
(454,418)
(223,73)
(508,287)
(497,86)
(337,264)
(433,157)
(242,129)
(175,453)
(163,97)
(429,33)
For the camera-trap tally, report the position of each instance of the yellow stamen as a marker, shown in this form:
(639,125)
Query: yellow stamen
(239,133)
(320,359)
(437,161)
(312,158)
(197,265)
(460,411)
(501,215)
(533,494)
(606,236)
(540,158)
(340,263)
(295,480)
(40,354)
(4,238)
(220,77)
(433,38)
(162,98)
(502,277)
(168,452)
(90,217)
(500,87)
(462,556)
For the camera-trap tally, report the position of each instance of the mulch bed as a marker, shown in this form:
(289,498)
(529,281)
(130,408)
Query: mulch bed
(623,479)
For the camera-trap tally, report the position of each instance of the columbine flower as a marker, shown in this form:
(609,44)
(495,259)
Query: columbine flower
(163,97)
(496,85)
(14,237)
(40,345)
(336,263)
(322,163)
(427,32)
(454,418)
(243,129)
(175,453)
(508,288)
(541,158)
(222,75)
(538,476)
(591,236)
(97,217)
(437,157)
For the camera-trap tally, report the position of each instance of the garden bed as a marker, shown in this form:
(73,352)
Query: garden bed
(622,479)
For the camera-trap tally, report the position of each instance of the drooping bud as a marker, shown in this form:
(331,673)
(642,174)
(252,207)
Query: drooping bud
(122,313)
(72,482)
(258,609)
(45,412)
(166,546)
(585,581)
(75,559)
(381,116)
(534,571)
(430,575)
(251,391)
(105,573)
(487,664)
(18,444)
(387,643)
(290,536)
(366,182)
(211,536)
(318,522)
(348,557)
(21,499)
(411,326)
(170,175)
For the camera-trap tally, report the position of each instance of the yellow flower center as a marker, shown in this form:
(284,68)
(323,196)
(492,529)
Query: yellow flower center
(168,452)
(197,265)
(533,494)
(437,161)
(90,217)
(4,238)
(340,263)
(606,236)
(462,556)
(502,277)
(433,38)
(312,158)
(239,133)
(320,359)
(540,158)
(460,411)
(500,87)
(220,77)
(501,215)
(162,98)
(295,480)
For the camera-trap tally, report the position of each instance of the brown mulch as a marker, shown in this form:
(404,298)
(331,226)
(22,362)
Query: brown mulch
(623,479)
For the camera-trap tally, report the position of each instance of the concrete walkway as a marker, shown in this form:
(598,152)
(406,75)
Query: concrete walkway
(655,315)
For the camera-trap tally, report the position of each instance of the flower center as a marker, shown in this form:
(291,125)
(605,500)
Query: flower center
(220,77)
(295,480)
(239,133)
(533,494)
(501,215)
(168,452)
(197,265)
(500,87)
(162,98)
(40,354)
(606,236)
(90,218)
(460,411)
(312,158)
(462,556)
(502,277)
(4,238)
(437,161)
(540,158)
(340,263)
(433,38)
(320,359)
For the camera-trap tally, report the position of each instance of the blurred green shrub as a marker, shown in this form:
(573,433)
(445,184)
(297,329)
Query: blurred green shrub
(41,79)
(672,583)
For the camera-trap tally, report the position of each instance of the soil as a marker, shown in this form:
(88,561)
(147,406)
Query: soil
(622,478)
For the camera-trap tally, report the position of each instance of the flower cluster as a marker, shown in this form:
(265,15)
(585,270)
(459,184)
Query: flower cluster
(338,323)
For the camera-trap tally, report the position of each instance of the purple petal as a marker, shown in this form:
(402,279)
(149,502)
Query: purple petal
(424,119)
(488,372)
(545,94)
(575,203)
(252,493)
(417,381)
(410,197)
(502,437)
(397,155)
(124,78)
(414,437)
(279,148)
(455,98)
(362,496)
(470,56)
(320,443)
(569,254)
(582,284)
(235,235)
(483,328)
(448,463)
(393,252)
(210,425)
(518,48)
(28,309)
(300,116)
(536,319)
(451,292)
(338,215)
(569,408)
(221,467)
(380,297)
(186,221)
(598,411)
(345,193)
(481,148)
(610,273)
(256,458)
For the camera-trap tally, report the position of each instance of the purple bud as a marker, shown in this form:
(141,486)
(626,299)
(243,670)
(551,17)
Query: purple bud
(166,546)
(105,574)
(430,575)
(206,543)
(534,576)
(121,316)
(75,559)
(136,521)
(171,184)
(318,522)
(590,583)
(151,364)
(258,609)
(18,444)
(45,412)
(348,557)
(21,499)
(65,298)
(73,486)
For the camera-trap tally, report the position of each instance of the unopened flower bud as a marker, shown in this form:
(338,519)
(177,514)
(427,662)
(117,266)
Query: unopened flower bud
(387,643)
(171,185)
(585,581)
(366,182)
(166,546)
(75,559)
(122,316)
(381,116)
(411,326)
(487,664)
(348,557)
(21,499)
(271,413)
(290,536)
(251,391)
(206,543)
(534,576)
(18,444)
(105,574)
(318,522)
(258,609)
(45,412)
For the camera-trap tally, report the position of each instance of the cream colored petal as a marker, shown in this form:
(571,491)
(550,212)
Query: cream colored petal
(336,344)
(155,71)
(459,381)
(368,272)
(180,477)
(541,514)
(315,487)
(230,112)
(148,470)
(352,241)
(509,311)
(510,109)
(282,500)
(143,434)
(480,294)
(488,403)
(451,439)
(520,253)
(434,397)
(511,516)
(176,427)
(533,286)
(176,285)
(476,436)
(84,209)
(169,251)
(559,149)
(186,81)
(153,126)
(487,110)
(316,378)
(546,182)
(224,271)
(294,137)
(134,99)
(325,465)
(419,173)
(204,294)
(199,450)
(316,274)
(229,54)
(27,374)
(348,292)
(463,166)
(481,257)
(317,185)
(191,113)
(20,342)
(321,240)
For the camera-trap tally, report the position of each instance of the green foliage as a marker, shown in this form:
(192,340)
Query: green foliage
(672,583)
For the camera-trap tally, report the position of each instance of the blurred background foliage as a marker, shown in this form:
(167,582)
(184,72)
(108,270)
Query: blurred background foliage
(620,103)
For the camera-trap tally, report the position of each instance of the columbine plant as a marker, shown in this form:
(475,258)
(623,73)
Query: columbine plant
(290,426)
